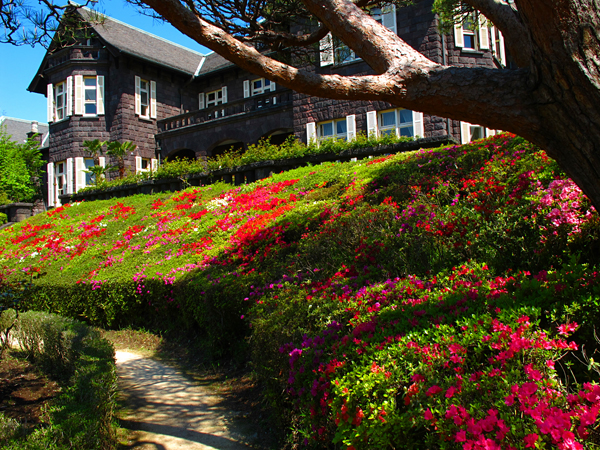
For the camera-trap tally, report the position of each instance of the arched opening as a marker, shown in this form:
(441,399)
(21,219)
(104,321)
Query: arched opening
(278,137)
(227,146)
(184,153)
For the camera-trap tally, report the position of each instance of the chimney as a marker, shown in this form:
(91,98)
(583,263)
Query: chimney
(34,133)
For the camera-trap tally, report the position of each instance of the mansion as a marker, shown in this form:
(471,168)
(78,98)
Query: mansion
(124,84)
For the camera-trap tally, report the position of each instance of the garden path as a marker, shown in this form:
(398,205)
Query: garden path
(166,411)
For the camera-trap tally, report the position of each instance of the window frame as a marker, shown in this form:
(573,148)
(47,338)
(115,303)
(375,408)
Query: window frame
(335,135)
(146,105)
(265,86)
(85,100)
(60,95)
(398,125)
(218,98)
(60,177)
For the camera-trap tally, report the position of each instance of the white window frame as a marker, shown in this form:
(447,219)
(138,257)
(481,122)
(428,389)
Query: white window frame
(332,49)
(479,34)
(80,90)
(151,164)
(266,85)
(399,128)
(60,101)
(220,97)
(60,179)
(94,102)
(145,110)
(468,129)
(334,125)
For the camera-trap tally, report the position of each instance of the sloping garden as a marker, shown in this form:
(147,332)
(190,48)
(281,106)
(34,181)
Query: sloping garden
(443,298)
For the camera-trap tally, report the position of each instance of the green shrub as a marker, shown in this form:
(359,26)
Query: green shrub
(83,415)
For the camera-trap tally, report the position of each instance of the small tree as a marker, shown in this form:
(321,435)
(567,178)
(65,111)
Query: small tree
(118,151)
(94,148)
(97,173)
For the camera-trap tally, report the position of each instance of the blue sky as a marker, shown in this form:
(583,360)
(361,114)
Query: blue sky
(18,65)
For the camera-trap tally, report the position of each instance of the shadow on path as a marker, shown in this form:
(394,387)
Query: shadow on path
(169,412)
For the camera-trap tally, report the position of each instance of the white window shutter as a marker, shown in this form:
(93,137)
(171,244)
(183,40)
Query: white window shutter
(326,51)
(311,133)
(138,164)
(246,88)
(153,99)
(465,132)
(51,181)
(484,40)
(489,132)
(154,164)
(372,124)
(351,127)
(79,173)
(102,161)
(502,49)
(69,96)
(138,96)
(50,102)
(69,175)
(418,124)
(201,100)
(100,104)
(79,95)
(459,40)
(272,86)
(389,17)
(224,94)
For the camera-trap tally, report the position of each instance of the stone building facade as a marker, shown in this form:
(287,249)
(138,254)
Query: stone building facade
(119,83)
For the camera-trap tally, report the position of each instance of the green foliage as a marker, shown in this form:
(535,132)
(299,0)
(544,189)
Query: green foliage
(20,170)
(83,414)
(119,150)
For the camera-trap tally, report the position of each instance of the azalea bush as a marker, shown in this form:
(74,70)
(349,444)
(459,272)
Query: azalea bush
(433,299)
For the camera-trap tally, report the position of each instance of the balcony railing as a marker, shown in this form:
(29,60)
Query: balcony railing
(264,102)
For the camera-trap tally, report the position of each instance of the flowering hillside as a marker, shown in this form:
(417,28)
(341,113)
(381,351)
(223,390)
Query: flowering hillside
(434,299)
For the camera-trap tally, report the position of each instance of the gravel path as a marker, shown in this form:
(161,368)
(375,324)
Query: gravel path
(169,412)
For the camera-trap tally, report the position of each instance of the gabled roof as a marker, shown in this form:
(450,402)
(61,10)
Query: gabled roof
(139,43)
(18,129)
(127,39)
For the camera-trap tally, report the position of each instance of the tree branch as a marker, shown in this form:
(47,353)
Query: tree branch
(409,79)
(508,20)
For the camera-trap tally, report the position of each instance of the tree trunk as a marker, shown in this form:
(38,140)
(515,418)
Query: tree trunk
(566,67)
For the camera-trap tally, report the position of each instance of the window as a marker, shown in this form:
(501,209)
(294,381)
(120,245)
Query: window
(90,178)
(144,164)
(260,86)
(497,45)
(60,101)
(333,129)
(472,33)
(89,96)
(145,98)
(396,121)
(472,132)
(401,122)
(60,178)
(214,98)
(334,51)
